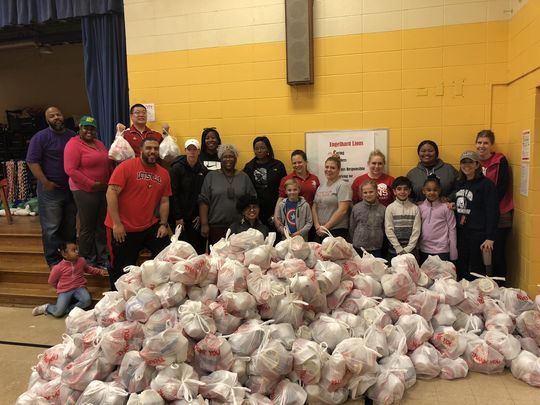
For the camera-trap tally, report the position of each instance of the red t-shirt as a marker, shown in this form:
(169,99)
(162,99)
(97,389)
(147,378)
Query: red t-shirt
(142,189)
(384,188)
(308,186)
(134,137)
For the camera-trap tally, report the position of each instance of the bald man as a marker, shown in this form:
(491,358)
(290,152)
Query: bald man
(57,209)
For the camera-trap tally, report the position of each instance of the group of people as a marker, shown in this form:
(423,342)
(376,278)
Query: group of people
(435,209)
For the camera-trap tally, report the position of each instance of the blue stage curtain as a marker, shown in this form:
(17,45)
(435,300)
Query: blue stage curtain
(104,43)
(25,12)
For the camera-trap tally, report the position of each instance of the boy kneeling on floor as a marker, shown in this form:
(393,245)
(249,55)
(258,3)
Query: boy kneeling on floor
(68,278)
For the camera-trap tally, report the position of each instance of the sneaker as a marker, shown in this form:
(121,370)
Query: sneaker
(40,310)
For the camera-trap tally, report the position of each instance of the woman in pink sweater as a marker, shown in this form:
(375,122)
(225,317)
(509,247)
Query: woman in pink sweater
(68,279)
(88,166)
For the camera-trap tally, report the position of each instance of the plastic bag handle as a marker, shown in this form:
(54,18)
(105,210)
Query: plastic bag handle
(326,231)
(483,276)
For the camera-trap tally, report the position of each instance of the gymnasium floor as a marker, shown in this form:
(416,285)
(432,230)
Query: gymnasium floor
(18,325)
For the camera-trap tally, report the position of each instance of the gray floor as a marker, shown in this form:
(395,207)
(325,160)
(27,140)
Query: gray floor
(18,325)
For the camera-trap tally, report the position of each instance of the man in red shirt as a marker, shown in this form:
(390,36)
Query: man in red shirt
(136,188)
(138,130)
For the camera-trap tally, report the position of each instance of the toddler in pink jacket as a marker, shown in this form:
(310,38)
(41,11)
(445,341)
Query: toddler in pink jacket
(68,278)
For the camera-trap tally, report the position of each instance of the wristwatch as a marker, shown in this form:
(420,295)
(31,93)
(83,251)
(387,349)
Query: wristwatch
(166,225)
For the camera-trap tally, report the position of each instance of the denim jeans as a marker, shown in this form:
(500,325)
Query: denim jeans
(57,213)
(79,297)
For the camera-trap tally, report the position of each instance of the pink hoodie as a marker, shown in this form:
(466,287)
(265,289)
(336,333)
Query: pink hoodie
(438,229)
(66,276)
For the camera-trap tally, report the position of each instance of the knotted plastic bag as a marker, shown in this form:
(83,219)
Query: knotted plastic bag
(79,320)
(170,294)
(526,367)
(261,255)
(213,353)
(134,373)
(481,357)
(226,323)
(222,386)
(155,272)
(508,345)
(417,330)
(398,284)
(308,360)
(358,357)
(395,308)
(515,301)
(159,321)
(329,330)
(449,342)
(232,276)
(424,302)
(328,276)
(177,249)
(452,369)
(167,347)
(290,309)
(426,361)
(367,284)
(89,366)
(196,319)
(407,263)
(147,397)
(141,306)
(120,338)
(246,240)
(168,149)
(336,248)
(129,283)
(120,149)
(240,304)
(110,309)
(191,271)
(271,360)
(528,325)
(449,290)
(248,337)
(373,266)
(389,387)
(436,268)
(177,381)
(287,393)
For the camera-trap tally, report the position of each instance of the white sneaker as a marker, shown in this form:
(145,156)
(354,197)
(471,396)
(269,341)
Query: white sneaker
(40,310)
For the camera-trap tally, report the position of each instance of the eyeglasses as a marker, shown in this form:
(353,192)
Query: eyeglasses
(139,112)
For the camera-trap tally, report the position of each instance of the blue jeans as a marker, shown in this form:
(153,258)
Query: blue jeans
(57,213)
(64,303)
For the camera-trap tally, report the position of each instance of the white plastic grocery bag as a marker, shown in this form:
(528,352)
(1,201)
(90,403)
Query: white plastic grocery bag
(168,149)
(120,149)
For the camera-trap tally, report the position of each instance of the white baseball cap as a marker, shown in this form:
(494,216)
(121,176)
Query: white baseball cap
(193,142)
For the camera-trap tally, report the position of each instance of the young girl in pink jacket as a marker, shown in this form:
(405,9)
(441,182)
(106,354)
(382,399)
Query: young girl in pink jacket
(438,235)
(68,279)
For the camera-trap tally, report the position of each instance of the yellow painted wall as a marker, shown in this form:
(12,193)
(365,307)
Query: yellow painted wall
(444,83)
(523,112)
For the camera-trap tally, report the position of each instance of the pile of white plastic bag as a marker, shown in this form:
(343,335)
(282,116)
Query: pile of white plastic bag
(295,323)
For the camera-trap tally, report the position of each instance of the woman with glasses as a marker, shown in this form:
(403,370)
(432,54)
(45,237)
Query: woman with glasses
(220,193)
(87,164)
(248,207)
(210,142)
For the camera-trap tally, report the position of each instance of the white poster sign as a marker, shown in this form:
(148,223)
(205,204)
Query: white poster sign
(524,183)
(526,145)
(150,112)
(353,147)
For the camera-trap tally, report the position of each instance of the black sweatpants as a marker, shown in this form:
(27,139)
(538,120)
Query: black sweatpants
(127,252)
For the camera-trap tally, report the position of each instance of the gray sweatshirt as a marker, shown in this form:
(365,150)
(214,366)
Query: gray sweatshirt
(221,193)
(366,226)
(304,220)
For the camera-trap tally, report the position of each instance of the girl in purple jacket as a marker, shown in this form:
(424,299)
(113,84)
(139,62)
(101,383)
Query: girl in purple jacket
(438,224)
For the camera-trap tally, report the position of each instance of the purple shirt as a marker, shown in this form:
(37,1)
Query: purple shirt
(47,148)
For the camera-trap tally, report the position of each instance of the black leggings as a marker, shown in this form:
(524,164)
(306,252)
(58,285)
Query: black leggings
(469,253)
